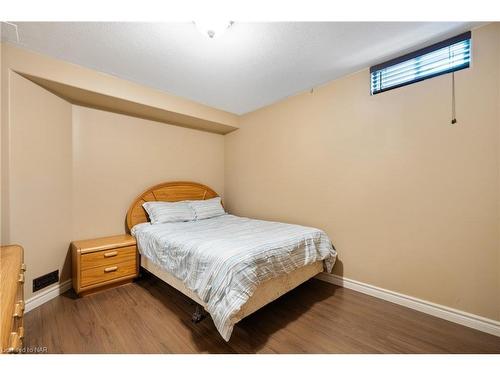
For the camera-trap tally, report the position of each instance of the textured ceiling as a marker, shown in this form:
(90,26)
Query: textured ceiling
(248,67)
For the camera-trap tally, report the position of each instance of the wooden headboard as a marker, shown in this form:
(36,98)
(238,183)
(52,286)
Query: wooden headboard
(166,192)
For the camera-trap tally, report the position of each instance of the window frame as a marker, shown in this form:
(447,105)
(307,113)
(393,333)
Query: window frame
(421,52)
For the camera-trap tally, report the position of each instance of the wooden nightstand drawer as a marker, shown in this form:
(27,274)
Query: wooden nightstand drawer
(108,272)
(105,262)
(108,257)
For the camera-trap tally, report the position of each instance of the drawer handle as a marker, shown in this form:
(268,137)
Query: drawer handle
(23,267)
(21,278)
(110,269)
(14,343)
(18,310)
(110,254)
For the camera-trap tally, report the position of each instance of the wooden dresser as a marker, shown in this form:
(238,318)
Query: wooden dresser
(103,262)
(12,298)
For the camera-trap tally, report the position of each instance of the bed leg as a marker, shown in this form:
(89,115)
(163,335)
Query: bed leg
(199,314)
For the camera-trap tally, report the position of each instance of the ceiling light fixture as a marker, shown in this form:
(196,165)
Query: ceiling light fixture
(213,28)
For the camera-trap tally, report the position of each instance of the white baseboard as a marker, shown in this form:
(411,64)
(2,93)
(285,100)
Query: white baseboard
(453,315)
(47,294)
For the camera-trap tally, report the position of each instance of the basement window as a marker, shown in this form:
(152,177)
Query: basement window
(444,57)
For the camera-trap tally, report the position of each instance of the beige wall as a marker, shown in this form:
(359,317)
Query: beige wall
(1,139)
(40,177)
(116,157)
(410,201)
(498,296)
(3,146)
(70,172)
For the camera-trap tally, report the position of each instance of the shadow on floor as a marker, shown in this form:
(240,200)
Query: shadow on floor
(252,333)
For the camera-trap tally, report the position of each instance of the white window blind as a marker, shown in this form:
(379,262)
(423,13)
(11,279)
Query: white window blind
(445,57)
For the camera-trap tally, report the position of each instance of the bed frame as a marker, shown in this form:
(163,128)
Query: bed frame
(266,292)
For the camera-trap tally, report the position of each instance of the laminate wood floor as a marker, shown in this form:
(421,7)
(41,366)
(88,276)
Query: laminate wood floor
(148,316)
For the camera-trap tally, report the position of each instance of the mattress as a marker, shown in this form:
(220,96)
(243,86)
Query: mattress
(224,259)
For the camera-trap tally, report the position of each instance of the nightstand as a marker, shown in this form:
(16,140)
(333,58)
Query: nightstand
(103,262)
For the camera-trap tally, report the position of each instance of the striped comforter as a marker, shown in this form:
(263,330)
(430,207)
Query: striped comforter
(223,259)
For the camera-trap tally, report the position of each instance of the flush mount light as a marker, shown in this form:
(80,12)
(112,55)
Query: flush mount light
(213,28)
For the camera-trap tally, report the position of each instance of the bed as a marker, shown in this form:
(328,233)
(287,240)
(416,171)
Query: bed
(230,266)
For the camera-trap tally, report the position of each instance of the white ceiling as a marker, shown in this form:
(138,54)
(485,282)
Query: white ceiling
(248,67)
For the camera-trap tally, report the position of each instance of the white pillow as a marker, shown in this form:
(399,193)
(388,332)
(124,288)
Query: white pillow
(169,212)
(205,209)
